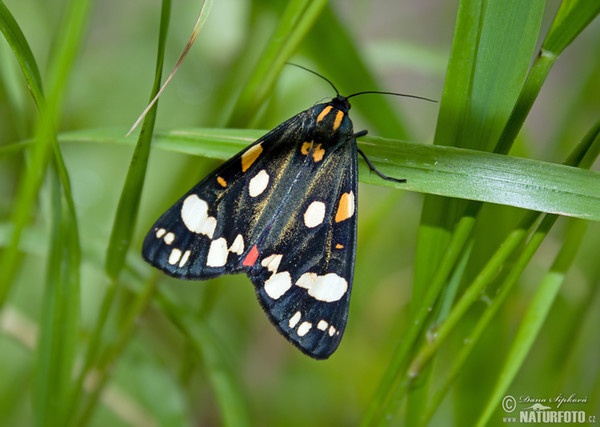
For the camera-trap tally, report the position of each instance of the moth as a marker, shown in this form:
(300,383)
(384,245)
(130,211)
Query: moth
(284,212)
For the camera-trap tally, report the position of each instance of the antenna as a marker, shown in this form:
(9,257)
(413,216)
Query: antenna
(316,74)
(378,92)
(363,92)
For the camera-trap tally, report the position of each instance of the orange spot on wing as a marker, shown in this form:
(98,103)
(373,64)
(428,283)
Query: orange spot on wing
(339,246)
(306,146)
(324,113)
(338,119)
(221,181)
(345,208)
(250,156)
(318,153)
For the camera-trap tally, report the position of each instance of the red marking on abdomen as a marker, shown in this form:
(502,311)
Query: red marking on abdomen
(251,258)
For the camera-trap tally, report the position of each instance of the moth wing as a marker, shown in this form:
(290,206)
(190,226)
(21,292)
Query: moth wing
(208,231)
(304,269)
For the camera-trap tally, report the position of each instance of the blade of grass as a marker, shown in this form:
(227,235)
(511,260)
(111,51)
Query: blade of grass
(535,79)
(54,385)
(127,210)
(538,73)
(484,77)
(535,316)
(233,407)
(67,43)
(469,343)
(585,11)
(466,117)
(339,58)
(447,171)
(18,43)
(297,20)
(97,379)
(472,294)
(60,315)
(56,353)
(491,51)
(31,179)
(571,18)
(583,155)
(202,17)
(123,226)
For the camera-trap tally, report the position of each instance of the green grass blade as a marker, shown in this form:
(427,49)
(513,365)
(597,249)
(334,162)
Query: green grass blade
(484,77)
(488,177)
(128,323)
(571,19)
(446,171)
(31,179)
(535,316)
(579,157)
(18,43)
(127,210)
(298,18)
(458,363)
(54,385)
(60,316)
(121,234)
(158,351)
(508,247)
(218,366)
(340,60)
(492,48)
(67,44)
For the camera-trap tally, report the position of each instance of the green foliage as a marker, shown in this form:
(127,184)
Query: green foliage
(491,292)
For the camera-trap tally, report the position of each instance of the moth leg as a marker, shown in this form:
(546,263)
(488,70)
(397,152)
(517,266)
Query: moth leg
(377,171)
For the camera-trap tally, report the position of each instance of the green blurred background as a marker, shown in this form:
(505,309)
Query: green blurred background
(232,367)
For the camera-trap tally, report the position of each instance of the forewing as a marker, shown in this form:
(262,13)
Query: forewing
(208,231)
(304,268)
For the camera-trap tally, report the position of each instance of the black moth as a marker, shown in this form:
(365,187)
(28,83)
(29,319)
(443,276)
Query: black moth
(283,211)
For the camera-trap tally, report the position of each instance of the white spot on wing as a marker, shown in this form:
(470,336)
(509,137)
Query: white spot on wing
(217,253)
(160,232)
(259,183)
(314,214)
(304,328)
(194,213)
(295,319)
(237,247)
(184,258)
(327,288)
(322,325)
(174,256)
(272,262)
(278,284)
(169,238)
(332,331)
